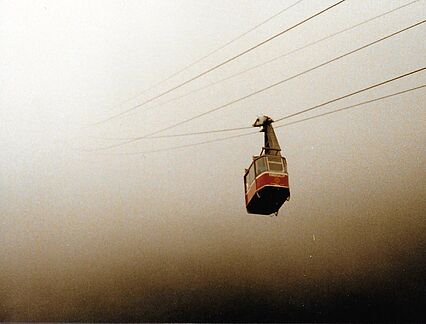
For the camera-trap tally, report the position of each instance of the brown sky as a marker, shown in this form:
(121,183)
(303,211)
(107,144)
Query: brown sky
(105,236)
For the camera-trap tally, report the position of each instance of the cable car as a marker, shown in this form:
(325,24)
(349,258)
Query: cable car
(266,180)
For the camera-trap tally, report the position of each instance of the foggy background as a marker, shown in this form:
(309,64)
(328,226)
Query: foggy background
(104,235)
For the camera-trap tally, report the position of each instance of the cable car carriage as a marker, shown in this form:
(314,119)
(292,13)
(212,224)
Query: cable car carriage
(266,180)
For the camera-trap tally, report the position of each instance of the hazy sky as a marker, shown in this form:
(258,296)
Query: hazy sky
(82,232)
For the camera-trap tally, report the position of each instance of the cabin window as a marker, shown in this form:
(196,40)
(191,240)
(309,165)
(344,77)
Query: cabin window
(261,166)
(285,165)
(250,175)
(275,163)
(272,158)
(278,167)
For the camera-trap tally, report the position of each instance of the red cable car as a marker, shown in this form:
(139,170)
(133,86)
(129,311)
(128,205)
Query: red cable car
(266,180)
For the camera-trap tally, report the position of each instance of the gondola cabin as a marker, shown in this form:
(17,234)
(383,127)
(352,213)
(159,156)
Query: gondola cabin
(266,180)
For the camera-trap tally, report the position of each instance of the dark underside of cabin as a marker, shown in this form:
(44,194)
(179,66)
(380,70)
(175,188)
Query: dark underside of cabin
(268,200)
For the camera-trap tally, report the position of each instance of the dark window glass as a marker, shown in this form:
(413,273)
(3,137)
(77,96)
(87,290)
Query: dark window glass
(275,166)
(274,158)
(285,165)
(250,176)
(261,166)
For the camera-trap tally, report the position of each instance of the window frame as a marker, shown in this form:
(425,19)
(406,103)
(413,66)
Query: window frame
(253,167)
(265,165)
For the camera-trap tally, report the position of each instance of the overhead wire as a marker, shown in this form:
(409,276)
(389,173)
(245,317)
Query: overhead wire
(187,145)
(278,57)
(150,135)
(351,94)
(176,135)
(351,106)
(233,40)
(220,64)
(299,112)
(278,126)
(293,114)
(287,79)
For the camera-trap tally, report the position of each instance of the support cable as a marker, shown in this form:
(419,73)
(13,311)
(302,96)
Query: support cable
(277,57)
(279,126)
(305,110)
(223,130)
(150,135)
(220,64)
(217,49)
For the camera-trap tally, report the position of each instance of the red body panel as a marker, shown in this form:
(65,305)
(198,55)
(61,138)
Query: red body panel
(267,179)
